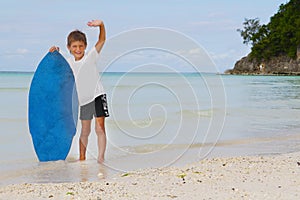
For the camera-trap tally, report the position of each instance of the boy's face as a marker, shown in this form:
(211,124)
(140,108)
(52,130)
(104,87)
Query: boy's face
(77,49)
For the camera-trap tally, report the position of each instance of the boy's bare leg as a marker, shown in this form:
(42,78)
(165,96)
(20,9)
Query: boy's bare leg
(101,135)
(84,136)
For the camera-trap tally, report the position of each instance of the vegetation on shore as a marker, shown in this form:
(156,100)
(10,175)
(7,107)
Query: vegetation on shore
(275,47)
(281,36)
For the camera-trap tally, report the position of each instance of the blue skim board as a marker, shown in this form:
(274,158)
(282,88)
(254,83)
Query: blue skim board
(53,108)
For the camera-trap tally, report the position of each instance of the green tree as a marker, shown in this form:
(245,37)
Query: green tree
(281,36)
(251,27)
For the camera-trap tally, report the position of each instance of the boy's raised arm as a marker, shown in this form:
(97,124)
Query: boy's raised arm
(102,34)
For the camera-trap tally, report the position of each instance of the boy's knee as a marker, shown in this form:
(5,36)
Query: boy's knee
(99,130)
(85,131)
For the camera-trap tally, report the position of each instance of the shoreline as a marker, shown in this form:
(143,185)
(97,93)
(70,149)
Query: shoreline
(139,158)
(229,72)
(241,177)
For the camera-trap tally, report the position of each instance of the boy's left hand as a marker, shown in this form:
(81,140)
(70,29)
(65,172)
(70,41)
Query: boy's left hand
(95,22)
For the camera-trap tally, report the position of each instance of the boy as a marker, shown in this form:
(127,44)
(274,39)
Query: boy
(91,95)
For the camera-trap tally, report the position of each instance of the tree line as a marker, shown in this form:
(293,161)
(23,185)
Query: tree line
(281,36)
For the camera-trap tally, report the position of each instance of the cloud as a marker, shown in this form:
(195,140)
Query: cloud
(223,55)
(216,14)
(22,51)
(17,52)
(225,24)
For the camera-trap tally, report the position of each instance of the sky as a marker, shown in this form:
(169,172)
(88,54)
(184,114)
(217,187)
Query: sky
(29,28)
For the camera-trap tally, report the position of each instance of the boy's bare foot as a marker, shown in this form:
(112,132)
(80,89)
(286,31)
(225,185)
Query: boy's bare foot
(100,160)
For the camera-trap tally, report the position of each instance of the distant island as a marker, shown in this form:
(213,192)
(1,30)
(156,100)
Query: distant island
(275,47)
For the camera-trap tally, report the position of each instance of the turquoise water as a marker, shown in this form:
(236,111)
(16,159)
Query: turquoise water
(158,120)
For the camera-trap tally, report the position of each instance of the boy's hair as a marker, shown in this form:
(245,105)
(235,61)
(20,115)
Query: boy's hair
(76,36)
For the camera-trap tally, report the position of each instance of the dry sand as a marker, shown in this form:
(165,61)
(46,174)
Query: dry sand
(251,177)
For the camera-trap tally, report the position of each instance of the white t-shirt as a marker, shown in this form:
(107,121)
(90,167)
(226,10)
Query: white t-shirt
(87,77)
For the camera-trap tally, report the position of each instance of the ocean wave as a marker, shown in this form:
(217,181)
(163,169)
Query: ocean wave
(141,123)
(14,89)
(150,148)
(147,121)
(197,113)
(12,119)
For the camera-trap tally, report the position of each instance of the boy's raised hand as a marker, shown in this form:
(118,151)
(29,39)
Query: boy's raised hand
(96,22)
(53,48)
(102,35)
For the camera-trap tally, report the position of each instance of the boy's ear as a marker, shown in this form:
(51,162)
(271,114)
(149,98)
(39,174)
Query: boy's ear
(69,48)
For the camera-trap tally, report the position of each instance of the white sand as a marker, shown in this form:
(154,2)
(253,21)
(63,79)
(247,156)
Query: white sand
(255,177)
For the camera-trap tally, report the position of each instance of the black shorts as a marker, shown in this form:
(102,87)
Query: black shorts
(97,108)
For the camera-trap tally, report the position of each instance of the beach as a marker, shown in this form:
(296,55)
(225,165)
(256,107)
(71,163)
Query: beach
(175,138)
(242,177)
(191,112)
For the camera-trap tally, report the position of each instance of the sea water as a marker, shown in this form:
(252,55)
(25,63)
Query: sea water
(158,119)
